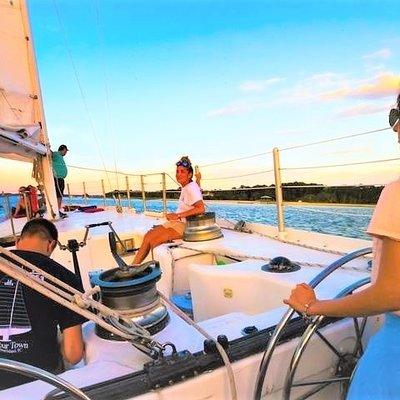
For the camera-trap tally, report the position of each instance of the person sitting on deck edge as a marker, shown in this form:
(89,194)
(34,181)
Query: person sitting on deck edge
(20,209)
(190,204)
(29,321)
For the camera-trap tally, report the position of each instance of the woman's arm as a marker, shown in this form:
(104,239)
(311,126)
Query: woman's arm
(198,208)
(382,296)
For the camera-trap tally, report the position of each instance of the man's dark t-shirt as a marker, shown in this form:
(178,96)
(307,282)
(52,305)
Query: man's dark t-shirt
(29,321)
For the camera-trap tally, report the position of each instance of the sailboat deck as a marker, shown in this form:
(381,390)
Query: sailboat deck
(235,244)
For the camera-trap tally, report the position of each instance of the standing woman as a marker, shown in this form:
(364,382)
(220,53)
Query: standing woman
(377,375)
(190,204)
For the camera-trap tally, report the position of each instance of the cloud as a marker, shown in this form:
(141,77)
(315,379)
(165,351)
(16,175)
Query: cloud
(311,88)
(361,109)
(236,109)
(258,86)
(289,132)
(327,86)
(382,54)
(383,85)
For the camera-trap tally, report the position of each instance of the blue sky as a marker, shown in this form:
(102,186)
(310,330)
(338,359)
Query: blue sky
(218,80)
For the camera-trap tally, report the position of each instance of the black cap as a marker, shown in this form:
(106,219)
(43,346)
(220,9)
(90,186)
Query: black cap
(63,147)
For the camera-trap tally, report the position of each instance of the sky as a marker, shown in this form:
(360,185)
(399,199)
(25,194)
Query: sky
(134,85)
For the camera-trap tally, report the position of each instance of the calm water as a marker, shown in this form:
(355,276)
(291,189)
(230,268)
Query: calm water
(343,221)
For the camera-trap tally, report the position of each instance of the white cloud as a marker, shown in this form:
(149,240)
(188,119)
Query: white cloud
(329,86)
(311,88)
(258,86)
(323,87)
(361,109)
(236,109)
(382,54)
(382,85)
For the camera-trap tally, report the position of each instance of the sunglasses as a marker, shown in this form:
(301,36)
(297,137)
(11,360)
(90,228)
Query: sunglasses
(394,117)
(184,163)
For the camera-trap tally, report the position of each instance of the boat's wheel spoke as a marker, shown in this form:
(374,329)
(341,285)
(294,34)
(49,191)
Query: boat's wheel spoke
(329,344)
(358,348)
(318,386)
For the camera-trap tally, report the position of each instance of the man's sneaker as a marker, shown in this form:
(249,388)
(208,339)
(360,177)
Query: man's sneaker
(63,215)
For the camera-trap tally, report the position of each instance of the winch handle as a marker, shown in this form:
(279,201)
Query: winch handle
(113,247)
(98,224)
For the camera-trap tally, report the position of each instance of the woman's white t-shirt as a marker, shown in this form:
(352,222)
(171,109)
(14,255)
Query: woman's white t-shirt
(385,222)
(190,194)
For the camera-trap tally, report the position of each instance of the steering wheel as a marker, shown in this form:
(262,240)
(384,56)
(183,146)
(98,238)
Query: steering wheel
(281,326)
(45,376)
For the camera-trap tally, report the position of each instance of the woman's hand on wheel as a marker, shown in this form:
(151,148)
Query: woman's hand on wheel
(301,297)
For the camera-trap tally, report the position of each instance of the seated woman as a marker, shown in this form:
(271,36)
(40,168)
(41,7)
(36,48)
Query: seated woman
(20,210)
(190,204)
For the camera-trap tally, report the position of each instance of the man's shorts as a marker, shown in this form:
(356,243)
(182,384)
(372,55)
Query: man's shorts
(177,226)
(60,185)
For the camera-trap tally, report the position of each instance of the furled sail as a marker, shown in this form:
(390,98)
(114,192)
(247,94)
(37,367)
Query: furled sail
(19,97)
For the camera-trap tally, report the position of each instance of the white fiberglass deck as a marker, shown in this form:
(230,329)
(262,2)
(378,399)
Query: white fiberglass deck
(255,299)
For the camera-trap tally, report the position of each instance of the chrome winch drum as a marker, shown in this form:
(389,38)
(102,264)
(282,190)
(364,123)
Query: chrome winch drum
(135,298)
(201,228)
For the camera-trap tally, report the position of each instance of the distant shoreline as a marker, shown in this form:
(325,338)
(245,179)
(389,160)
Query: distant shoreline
(289,203)
(244,202)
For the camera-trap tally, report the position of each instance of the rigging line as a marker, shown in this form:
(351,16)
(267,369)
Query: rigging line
(93,169)
(172,179)
(334,139)
(341,165)
(106,86)
(238,176)
(118,172)
(80,88)
(12,109)
(235,159)
(296,147)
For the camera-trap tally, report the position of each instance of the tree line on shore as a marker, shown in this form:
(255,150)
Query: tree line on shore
(292,191)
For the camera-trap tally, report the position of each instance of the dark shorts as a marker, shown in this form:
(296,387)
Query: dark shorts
(60,185)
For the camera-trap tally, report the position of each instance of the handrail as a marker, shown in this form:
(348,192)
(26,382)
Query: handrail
(38,373)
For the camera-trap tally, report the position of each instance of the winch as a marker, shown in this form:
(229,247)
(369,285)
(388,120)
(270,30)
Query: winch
(202,227)
(136,298)
(133,292)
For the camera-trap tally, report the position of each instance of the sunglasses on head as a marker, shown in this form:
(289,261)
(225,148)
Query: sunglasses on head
(394,117)
(183,163)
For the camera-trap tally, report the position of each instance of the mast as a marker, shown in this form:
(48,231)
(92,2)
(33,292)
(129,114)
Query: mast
(39,116)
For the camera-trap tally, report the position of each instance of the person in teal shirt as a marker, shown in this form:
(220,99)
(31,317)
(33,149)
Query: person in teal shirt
(60,172)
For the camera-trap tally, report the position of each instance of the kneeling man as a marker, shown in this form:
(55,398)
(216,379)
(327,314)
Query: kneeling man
(29,321)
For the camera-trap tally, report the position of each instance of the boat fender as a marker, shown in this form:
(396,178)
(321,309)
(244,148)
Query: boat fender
(33,199)
(280,264)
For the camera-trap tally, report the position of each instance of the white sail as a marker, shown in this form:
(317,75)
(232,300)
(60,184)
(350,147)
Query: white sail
(17,89)
(21,109)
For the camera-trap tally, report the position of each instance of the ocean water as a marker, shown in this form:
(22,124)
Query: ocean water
(343,221)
